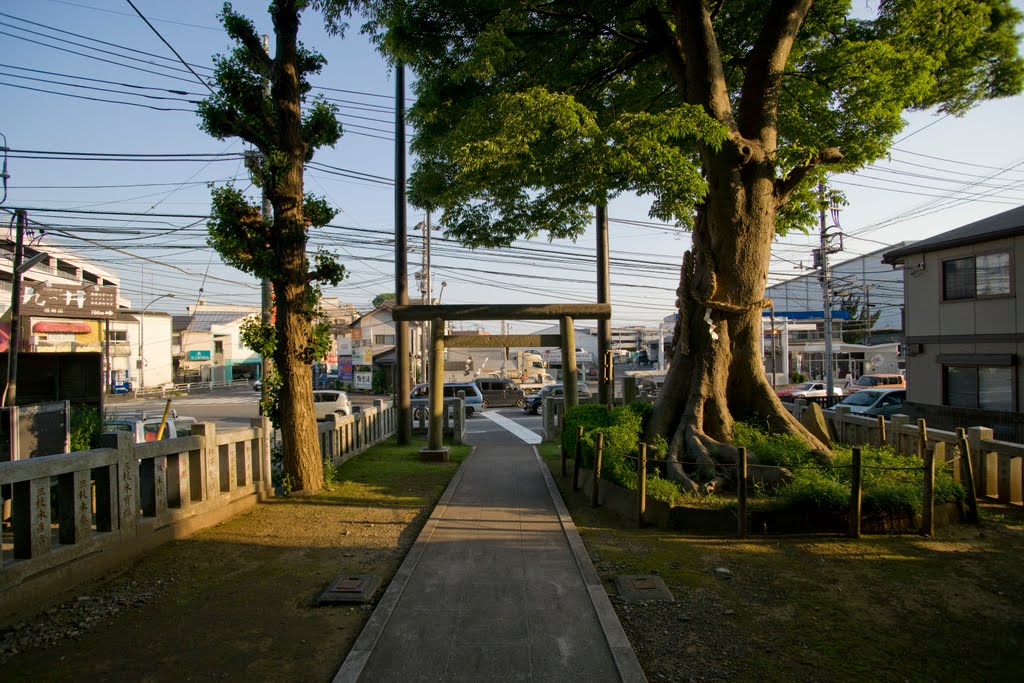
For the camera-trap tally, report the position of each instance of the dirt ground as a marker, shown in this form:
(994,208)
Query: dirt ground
(237,601)
(820,608)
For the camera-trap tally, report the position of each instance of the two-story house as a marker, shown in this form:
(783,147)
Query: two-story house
(964,323)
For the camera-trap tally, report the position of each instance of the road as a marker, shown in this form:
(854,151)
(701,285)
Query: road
(233,408)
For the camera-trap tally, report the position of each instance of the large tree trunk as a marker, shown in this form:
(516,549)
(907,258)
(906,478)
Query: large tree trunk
(716,374)
(302,459)
(293,301)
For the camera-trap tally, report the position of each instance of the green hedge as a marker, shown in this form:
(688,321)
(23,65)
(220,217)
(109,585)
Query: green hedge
(891,483)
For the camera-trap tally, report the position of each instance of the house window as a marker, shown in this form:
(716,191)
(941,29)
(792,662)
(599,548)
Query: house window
(976,276)
(118,335)
(987,388)
(384,339)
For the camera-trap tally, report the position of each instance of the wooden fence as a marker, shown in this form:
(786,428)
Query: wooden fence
(998,465)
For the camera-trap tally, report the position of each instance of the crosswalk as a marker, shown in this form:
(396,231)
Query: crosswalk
(191,401)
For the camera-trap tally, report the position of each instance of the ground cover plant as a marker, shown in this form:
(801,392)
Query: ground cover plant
(892,483)
(888,607)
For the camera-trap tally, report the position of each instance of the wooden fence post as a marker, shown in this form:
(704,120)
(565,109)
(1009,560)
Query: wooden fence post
(984,478)
(741,491)
(967,471)
(855,492)
(576,458)
(922,437)
(928,508)
(597,468)
(881,431)
(641,485)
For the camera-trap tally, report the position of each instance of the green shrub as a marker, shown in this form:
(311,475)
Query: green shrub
(86,427)
(815,490)
(797,377)
(780,450)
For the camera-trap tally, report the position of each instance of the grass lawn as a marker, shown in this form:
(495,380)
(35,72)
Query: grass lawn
(237,601)
(887,607)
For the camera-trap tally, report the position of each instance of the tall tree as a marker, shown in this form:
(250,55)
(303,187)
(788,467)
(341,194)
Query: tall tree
(272,122)
(725,112)
(381,298)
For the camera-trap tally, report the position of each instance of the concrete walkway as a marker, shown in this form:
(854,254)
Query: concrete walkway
(498,587)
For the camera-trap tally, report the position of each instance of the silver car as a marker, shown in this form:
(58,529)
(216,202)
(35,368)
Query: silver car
(875,401)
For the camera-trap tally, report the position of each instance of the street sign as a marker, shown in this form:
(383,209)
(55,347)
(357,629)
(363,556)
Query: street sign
(199,355)
(59,300)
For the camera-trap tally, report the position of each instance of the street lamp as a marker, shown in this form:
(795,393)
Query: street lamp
(444,284)
(142,340)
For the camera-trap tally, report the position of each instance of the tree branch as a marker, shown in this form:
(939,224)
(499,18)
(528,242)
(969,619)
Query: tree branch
(704,73)
(660,37)
(767,61)
(785,186)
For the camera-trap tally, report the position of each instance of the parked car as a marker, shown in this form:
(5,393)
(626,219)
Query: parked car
(145,426)
(328,380)
(327,401)
(535,403)
(808,390)
(500,392)
(875,401)
(878,382)
(474,399)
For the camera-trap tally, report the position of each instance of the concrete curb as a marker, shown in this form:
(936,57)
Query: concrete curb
(352,668)
(622,652)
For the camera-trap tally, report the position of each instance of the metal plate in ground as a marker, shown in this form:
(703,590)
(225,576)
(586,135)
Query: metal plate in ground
(346,589)
(641,587)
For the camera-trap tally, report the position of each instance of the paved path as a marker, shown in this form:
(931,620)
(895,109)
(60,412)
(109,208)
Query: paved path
(498,587)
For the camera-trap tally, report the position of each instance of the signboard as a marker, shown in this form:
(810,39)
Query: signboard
(68,301)
(363,355)
(344,346)
(363,379)
(199,355)
(345,368)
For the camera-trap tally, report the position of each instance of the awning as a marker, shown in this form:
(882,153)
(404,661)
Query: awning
(65,327)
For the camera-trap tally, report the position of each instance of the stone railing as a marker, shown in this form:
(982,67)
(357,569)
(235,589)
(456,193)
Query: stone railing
(553,416)
(453,418)
(76,516)
(998,465)
(344,437)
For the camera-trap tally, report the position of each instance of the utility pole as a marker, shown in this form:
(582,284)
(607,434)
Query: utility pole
(826,285)
(867,314)
(266,289)
(402,384)
(826,289)
(10,395)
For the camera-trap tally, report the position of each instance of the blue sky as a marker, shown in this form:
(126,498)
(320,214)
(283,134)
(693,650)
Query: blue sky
(944,172)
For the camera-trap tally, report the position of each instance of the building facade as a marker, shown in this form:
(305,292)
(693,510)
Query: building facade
(964,320)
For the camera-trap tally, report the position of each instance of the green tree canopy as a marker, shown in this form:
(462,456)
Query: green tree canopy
(726,113)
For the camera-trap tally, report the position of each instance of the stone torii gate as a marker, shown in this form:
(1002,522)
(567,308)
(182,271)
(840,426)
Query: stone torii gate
(439,314)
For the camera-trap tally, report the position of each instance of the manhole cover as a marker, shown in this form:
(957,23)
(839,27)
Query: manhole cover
(640,587)
(349,589)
